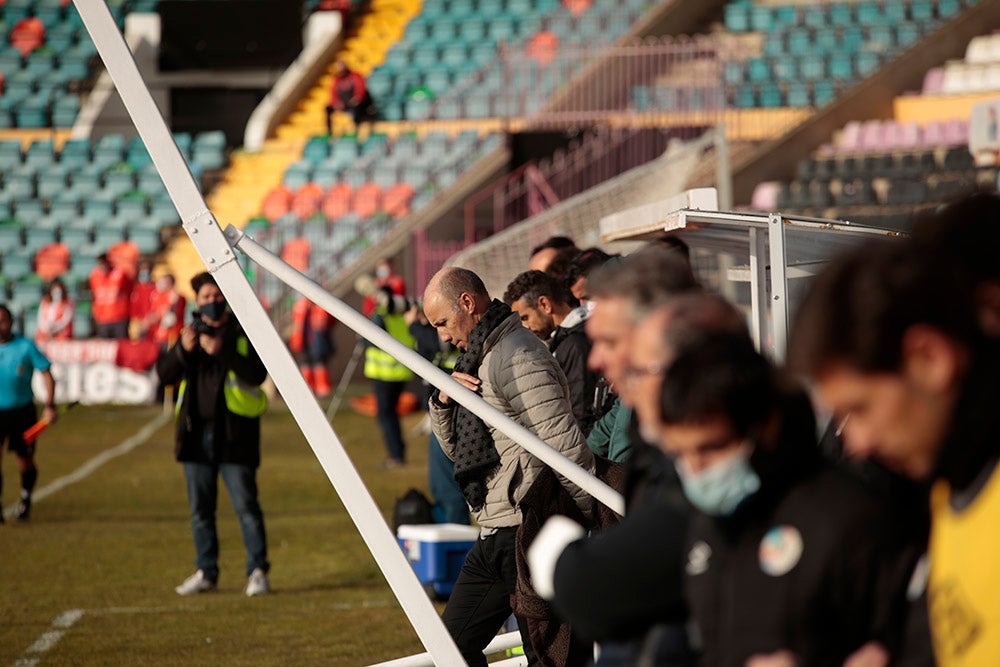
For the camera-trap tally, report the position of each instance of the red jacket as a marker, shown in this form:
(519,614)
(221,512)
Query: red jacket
(110,290)
(347,91)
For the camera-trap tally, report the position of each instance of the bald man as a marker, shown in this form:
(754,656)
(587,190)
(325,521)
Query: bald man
(512,370)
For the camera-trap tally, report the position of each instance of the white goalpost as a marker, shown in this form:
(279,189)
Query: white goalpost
(216,250)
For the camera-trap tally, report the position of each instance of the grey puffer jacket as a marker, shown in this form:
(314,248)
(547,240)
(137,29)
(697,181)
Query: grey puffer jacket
(521,379)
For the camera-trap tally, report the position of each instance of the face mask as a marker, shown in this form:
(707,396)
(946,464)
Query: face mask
(589,305)
(162,285)
(57,295)
(214,310)
(144,276)
(382,272)
(719,489)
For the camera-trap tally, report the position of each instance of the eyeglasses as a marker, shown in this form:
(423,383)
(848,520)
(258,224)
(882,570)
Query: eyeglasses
(635,372)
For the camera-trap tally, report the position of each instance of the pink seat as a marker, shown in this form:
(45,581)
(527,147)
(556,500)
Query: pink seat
(850,138)
(933,134)
(892,135)
(871,136)
(956,132)
(933,81)
(909,136)
(765,196)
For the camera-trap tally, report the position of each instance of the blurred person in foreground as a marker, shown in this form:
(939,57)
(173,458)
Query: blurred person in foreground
(791,560)
(513,371)
(540,302)
(897,338)
(55,314)
(19,358)
(623,291)
(218,432)
(633,603)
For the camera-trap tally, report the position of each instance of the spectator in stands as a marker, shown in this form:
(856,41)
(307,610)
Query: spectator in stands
(218,432)
(514,372)
(166,313)
(141,300)
(110,287)
(580,269)
(543,254)
(623,292)
(55,314)
(348,94)
(312,344)
(449,503)
(385,276)
(388,375)
(19,358)
(893,336)
(540,302)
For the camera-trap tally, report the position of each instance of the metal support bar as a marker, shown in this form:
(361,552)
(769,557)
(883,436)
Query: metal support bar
(214,249)
(500,643)
(779,287)
(425,369)
(758,287)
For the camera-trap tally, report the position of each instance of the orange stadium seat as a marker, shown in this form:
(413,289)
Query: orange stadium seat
(296,252)
(52,260)
(306,201)
(367,200)
(276,203)
(337,201)
(397,200)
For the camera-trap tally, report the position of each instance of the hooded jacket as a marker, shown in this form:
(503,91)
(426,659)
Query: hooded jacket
(807,564)
(521,379)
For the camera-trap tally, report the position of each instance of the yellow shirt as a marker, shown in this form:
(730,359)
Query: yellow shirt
(964,585)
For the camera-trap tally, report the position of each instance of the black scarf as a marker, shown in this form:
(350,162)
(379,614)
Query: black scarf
(476,457)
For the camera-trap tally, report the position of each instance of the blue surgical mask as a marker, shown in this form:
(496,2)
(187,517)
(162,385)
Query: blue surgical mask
(214,310)
(719,489)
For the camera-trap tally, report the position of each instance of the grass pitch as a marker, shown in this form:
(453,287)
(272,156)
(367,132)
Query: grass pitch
(89,579)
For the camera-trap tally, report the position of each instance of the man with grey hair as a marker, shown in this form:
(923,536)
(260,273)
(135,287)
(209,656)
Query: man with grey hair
(623,292)
(513,371)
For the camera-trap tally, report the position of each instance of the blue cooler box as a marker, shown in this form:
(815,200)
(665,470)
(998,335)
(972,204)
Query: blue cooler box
(437,551)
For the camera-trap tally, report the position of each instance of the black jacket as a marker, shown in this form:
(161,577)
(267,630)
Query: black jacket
(808,564)
(237,439)
(571,347)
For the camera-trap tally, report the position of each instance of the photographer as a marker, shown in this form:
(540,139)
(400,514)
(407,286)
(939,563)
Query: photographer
(218,432)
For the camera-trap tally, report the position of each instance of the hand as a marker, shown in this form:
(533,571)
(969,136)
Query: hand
(211,344)
(470,382)
(189,339)
(871,654)
(49,414)
(777,659)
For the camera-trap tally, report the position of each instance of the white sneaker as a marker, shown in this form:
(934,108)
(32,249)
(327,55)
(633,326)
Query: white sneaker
(195,584)
(257,584)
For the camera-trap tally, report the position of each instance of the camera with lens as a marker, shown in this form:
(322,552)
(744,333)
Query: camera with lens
(200,326)
(396,304)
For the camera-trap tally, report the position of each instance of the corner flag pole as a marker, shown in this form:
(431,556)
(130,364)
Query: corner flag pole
(214,250)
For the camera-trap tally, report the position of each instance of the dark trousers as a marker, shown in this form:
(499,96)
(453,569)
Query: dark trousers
(480,601)
(386,401)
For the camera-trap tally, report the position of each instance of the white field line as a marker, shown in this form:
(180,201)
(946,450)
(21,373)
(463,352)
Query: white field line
(67,619)
(64,621)
(93,464)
